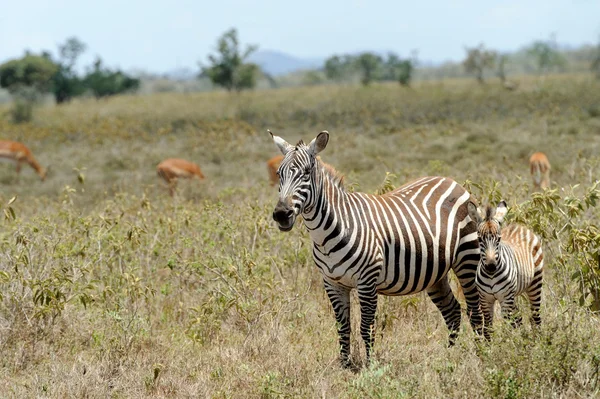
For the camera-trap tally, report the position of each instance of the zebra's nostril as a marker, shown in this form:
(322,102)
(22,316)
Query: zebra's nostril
(282,214)
(490,267)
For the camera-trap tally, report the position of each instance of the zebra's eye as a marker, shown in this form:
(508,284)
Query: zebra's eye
(306,176)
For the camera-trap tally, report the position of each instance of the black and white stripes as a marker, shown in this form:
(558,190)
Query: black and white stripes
(512,263)
(399,243)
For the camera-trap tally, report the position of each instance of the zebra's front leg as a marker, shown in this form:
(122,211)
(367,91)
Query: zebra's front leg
(340,300)
(487,308)
(367,296)
(442,296)
(508,308)
(466,277)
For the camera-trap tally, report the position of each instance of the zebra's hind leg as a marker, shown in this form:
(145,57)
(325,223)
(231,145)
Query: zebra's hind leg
(442,296)
(340,300)
(534,293)
(367,297)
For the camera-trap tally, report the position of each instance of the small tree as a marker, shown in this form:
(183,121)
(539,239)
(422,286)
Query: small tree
(65,83)
(478,60)
(546,55)
(405,72)
(335,68)
(26,79)
(596,62)
(29,72)
(104,82)
(368,64)
(391,67)
(229,68)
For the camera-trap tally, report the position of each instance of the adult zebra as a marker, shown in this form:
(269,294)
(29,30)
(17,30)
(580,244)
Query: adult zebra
(399,243)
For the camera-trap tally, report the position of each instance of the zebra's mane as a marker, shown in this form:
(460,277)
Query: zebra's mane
(333,175)
(489,225)
(489,212)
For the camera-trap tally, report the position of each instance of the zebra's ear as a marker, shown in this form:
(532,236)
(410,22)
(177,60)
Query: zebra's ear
(501,211)
(319,143)
(283,145)
(474,213)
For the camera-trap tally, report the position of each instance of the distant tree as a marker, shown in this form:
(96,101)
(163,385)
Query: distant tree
(26,79)
(340,67)
(546,55)
(391,67)
(369,65)
(104,82)
(478,60)
(228,68)
(501,72)
(312,78)
(335,68)
(596,61)
(405,72)
(65,83)
(30,72)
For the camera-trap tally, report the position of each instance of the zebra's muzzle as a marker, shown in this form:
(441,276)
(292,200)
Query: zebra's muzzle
(284,217)
(490,268)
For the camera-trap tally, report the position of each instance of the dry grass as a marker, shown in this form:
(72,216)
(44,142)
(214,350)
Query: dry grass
(110,288)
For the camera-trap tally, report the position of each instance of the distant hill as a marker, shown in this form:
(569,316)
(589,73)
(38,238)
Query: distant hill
(182,74)
(277,63)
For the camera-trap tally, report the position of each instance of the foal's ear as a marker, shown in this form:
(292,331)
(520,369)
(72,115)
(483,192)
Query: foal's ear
(283,145)
(501,211)
(474,213)
(319,143)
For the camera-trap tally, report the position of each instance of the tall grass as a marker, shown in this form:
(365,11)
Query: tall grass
(108,287)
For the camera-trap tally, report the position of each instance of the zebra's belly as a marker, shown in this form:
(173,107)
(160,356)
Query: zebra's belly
(399,280)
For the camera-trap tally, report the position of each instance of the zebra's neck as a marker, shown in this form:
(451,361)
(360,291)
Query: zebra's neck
(326,213)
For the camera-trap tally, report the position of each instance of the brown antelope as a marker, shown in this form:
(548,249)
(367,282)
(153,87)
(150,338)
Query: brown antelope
(510,85)
(272,166)
(174,168)
(540,170)
(19,153)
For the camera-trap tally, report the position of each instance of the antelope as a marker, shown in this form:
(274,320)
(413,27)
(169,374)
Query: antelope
(19,153)
(272,166)
(510,85)
(174,168)
(540,170)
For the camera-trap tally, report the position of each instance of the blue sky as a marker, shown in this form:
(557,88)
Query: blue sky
(159,36)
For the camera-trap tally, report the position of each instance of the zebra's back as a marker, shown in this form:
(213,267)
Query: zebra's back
(527,249)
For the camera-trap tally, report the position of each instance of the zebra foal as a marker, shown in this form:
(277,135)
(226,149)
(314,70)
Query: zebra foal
(511,264)
(399,243)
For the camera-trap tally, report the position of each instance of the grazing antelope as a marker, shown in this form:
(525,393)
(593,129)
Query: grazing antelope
(511,264)
(540,170)
(272,166)
(19,153)
(398,243)
(510,85)
(174,168)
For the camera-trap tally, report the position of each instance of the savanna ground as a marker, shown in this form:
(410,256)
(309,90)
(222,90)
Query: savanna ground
(110,288)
